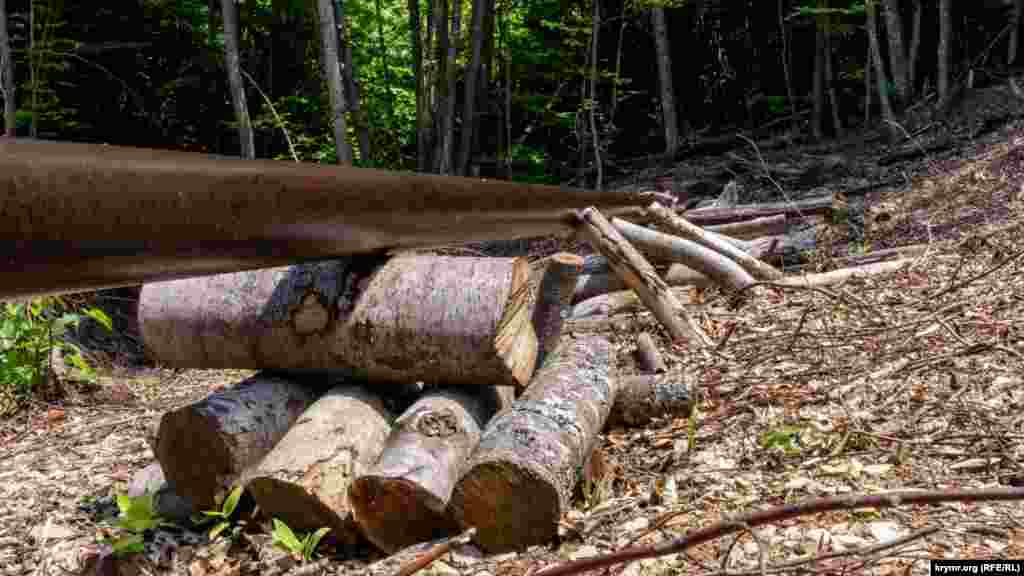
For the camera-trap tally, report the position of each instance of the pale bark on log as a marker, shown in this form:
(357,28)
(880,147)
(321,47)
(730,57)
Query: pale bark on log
(750,229)
(304,480)
(648,358)
(712,241)
(402,499)
(205,446)
(553,303)
(642,398)
(521,476)
(844,274)
(639,275)
(431,318)
(706,216)
(720,269)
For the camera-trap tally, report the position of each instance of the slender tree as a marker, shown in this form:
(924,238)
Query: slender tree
(7,90)
(480,8)
(944,48)
(416,44)
(897,51)
(447,115)
(913,51)
(1014,42)
(592,105)
(876,58)
(817,114)
(830,85)
(332,75)
(348,73)
(669,121)
(786,74)
(229,14)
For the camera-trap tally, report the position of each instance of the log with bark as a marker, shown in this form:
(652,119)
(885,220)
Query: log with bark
(556,283)
(641,398)
(750,229)
(204,447)
(639,275)
(304,481)
(415,317)
(402,499)
(809,206)
(521,476)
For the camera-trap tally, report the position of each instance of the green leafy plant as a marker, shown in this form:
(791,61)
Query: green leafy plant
(786,439)
(222,517)
(301,546)
(30,330)
(137,516)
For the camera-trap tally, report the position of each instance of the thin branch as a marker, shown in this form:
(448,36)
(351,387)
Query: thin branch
(270,105)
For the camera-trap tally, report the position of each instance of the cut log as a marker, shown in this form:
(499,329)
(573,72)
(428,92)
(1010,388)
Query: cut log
(554,295)
(639,275)
(428,318)
(204,447)
(711,240)
(642,398)
(521,476)
(304,480)
(707,216)
(750,229)
(720,269)
(401,500)
(647,355)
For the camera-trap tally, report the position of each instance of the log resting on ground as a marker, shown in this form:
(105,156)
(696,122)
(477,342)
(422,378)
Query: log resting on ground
(204,447)
(641,398)
(304,480)
(429,318)
(806,207)
(402,498)
(521,476)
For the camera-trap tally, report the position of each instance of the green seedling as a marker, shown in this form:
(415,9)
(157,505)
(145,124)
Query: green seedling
(137,516)
(786,439)
(222,517)
(302,547)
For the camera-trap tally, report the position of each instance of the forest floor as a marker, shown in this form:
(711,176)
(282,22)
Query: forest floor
(912,380)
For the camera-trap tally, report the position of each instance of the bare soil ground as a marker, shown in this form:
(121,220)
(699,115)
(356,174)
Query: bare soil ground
(913,380)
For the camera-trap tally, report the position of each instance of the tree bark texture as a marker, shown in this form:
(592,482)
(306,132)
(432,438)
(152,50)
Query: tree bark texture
(430,318)
(204,447)
(7,89)
(332,76)
(480,8)
(521,476)
(897,51)
(447,123)
(402,499)
(663,51)
(642,398)
(422,113)
(880,77)
(229,11)
(817,115)
(945,47)
(304,481)
(639,275)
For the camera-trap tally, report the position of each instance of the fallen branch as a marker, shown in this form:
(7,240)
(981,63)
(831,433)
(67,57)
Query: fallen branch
(706,216)
(779,514)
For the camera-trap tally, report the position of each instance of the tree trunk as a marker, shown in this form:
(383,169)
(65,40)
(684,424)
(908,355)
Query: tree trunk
(521,476)
(897,52)
(830,86)
(945,47)
(447,123)
(304,481)
(352,86)
(818,113)
(418,72)
(204,447)
(876,57)
(33,71)
(332,76)
(472,76)
(384,321)
(7,90)
(1014,40)
(868,60)
(595,35)
(669,121)
(915,47)
(402,498)
(383,49)
(229,13)
(786,66)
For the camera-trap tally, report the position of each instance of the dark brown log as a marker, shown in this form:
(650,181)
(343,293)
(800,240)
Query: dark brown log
(429,318)
(554,296)
(402,499)
(521,476)
(642,398)
(648,358)
(639,275)
(205,446)
(707,216)
(304,480)
(67,223)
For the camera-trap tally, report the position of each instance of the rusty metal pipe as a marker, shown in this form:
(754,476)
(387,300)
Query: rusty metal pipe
(77,217)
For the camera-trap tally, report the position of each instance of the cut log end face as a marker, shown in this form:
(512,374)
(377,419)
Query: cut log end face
(311,316)
(514,505)
(196,458)
(376,503)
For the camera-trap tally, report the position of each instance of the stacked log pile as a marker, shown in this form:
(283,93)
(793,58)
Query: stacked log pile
(402,398)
